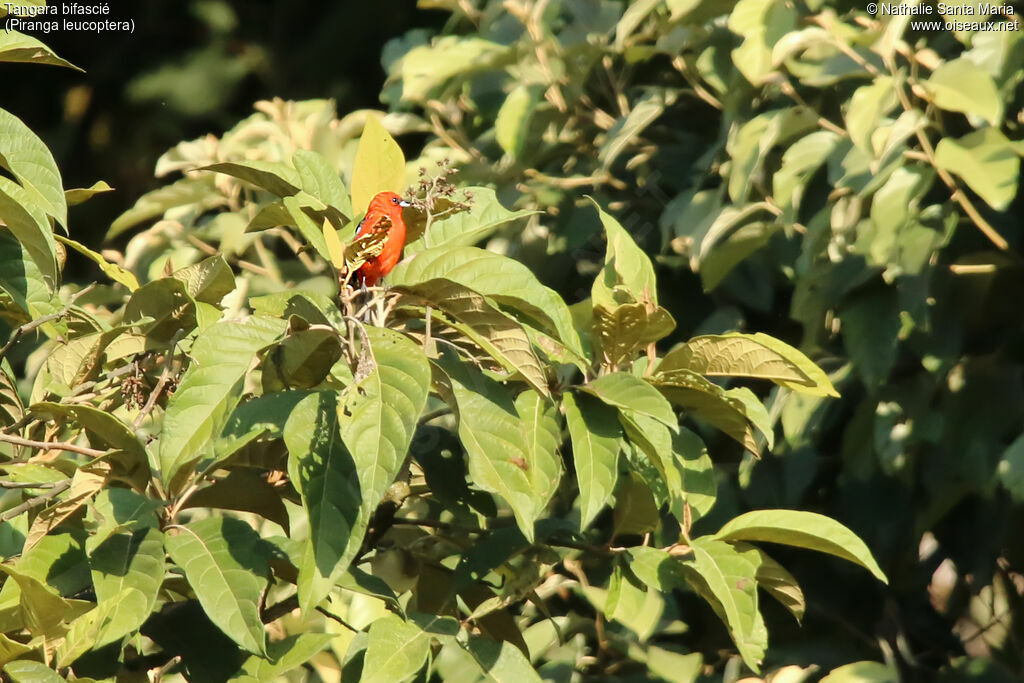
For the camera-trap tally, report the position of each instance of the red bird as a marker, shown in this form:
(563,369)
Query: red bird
(382,231)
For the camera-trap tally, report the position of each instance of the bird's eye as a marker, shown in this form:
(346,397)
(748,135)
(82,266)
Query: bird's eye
(394,200)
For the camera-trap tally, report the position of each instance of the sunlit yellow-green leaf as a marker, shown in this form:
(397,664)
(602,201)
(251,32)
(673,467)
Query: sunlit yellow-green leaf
(804,530)
(379,165)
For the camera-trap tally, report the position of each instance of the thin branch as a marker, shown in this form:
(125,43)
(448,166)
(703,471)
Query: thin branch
(48,445)
(159,674)
(957,194)
(788,89)
(434,414)
(703,93)
(28,327)
(278,610)
(210,250)
(161,383)
(27,484)
(434,524)
(42,498)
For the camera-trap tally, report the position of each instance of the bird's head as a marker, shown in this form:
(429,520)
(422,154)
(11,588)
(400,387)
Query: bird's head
(387,203)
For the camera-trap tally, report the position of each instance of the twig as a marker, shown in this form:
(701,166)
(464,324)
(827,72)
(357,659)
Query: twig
(57,489)
(210,250)
(576,181)
(159,674)
(28,327)
(703,93)
(278,610)
(165,377)
(788,89)
(957,194)
(54,445)
(434,524)
(434,414)
(27,484)
(335,617)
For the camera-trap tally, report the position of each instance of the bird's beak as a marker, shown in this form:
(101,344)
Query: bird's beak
(404,204)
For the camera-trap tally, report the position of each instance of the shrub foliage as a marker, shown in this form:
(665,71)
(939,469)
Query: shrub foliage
(223,460)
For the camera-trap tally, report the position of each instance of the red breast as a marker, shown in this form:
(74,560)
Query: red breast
(390,205)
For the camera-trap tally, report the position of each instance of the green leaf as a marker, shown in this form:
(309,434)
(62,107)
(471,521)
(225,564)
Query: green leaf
(427,67)
(11,650)
(756,356)
(865,672)
(326,475)
(283,656)
(320,179)
(626,266)
(107,432)
(750,143)
(803,530)
(961,85)
(25,671)
(497,333)
(22,280)
(541,437)
(18,47)
(315,307)
(778,582)
(698,473)
(116,509)
(737,246)
(512,123)
(197,192)
(208,281)
(986,160)
(209,390)
(1011,469)
(657,467)
(168,306)
(761,23)
(396,649)
(871,326)
(308,228)
(243,490)
(80,359)
(111,270)
(32,165)
(41,609)
(625,391)
(492,434)
(595,435)
(78,195)
(26,220)
(636,511)
(631,19)
(127,571)
(868,106)
(463,228)
(225,562)
(379,165)
(274,177)
(507,282)
(301,360)
(675,666)
(709,402)
(380,413)
(627,328)
(726,577)
(358,581)
(627,129)
(799,162)
(502,662)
